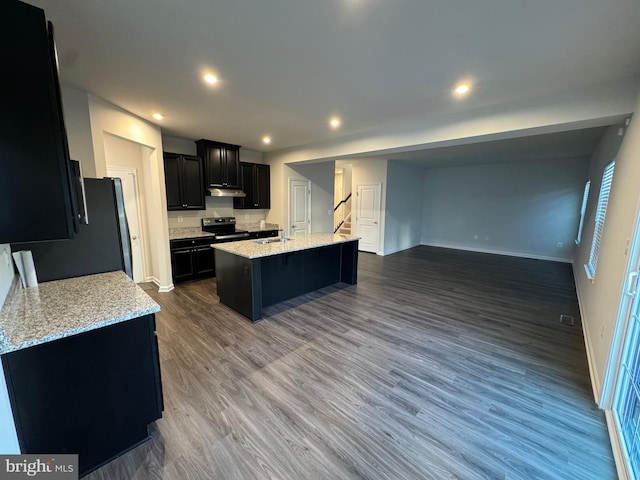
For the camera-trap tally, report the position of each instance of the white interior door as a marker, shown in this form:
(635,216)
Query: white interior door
(299,207)
(132,209)
(368,217)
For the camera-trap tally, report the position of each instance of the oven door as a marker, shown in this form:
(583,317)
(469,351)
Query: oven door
(231,237)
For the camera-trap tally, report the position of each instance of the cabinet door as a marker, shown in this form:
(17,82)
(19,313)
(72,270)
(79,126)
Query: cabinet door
(182,264)
(173,181)
(33,146)
(232,167)
(214,165)
(246,184)
(204,260)
(92,394)
(262,183)
(192,183)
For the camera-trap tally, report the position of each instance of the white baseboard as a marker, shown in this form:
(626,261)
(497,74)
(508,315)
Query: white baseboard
(500,252)
(593,373)
(616,447)
(396,250)
(162,288)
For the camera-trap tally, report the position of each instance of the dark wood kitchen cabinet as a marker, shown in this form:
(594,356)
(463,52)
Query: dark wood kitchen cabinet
(183,177)
(255,181)
(221,163)
(35,175)
(192,258)
(93,394)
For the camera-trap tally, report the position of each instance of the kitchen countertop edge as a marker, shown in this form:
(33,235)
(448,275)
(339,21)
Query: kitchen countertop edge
(20,318)
(251,250)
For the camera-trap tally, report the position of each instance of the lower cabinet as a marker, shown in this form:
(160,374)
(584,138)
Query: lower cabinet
(91,394)
(192,258)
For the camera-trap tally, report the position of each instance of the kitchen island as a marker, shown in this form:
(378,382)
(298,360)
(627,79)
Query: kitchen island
(80,368)
(254,274)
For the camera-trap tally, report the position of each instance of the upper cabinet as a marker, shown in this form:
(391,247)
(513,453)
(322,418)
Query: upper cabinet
(256,184)
(221,163)
(183,176)
(35,176)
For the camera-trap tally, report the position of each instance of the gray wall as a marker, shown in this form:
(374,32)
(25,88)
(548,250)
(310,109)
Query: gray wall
(322,177)
(522,208)
(403,216)
(75,104)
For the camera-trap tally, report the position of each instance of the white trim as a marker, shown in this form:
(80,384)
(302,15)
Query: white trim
(616,446)
(166,289)
(161,288)
(134,172)
(499,252)
(309,210)
(593,372)
(396,250)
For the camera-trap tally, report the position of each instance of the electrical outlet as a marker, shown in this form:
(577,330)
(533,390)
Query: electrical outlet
(180,219)
(560,244)
(475,237)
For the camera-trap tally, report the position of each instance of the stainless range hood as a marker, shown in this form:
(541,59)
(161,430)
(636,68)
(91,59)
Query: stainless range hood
(226,192)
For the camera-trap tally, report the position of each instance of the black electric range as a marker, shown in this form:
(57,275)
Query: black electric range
(223,229)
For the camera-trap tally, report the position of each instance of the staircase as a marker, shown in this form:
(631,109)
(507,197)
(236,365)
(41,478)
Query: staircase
(346,226)
(342,216)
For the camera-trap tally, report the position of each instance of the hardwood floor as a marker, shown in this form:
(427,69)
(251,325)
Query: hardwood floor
(439,364)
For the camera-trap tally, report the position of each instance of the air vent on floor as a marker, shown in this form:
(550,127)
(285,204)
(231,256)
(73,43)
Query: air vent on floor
(567,320)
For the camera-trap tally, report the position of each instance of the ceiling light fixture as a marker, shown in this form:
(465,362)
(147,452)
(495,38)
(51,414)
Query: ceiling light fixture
(210,78)
(334,122)
(266,140)
(158,116)
(462,89)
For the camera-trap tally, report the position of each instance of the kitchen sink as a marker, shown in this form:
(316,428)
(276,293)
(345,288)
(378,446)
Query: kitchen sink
(264,241)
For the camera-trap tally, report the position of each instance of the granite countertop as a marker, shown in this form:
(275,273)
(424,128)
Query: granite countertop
(197,232)
(187,232)
(62,308)
(255,227)
(251,249)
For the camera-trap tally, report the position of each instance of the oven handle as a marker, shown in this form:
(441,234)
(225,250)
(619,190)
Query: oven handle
(232,237)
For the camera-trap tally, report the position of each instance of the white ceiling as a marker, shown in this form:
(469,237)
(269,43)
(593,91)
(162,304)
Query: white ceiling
(286,66)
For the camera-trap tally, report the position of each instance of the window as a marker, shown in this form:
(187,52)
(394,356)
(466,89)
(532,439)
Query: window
(601,211)
(583,210)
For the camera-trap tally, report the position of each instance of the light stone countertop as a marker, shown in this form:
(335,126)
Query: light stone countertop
(255,227)
(187,232)
(251,249)
(58,309)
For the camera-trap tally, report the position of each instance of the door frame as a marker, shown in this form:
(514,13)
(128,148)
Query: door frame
(308,182)
(134,172)
(357,205)
(610,382)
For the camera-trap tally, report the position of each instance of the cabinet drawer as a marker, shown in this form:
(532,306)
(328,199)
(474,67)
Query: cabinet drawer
(191,242)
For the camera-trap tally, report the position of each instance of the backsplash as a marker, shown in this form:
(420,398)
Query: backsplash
(216,207)
(6,271)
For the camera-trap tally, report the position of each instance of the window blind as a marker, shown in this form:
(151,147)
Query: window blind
(601,212)
(583,211)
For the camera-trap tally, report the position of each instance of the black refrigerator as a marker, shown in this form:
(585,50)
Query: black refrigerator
(101,245)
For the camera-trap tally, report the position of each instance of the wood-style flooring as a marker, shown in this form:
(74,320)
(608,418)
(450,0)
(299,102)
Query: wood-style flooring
(439,364)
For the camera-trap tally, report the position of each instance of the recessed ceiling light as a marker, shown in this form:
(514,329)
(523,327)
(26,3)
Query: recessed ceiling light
(334,122)
(266,140)
(210,78)
(158,116)
(462,89)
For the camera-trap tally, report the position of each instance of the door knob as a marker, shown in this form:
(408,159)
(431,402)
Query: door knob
(134,238)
